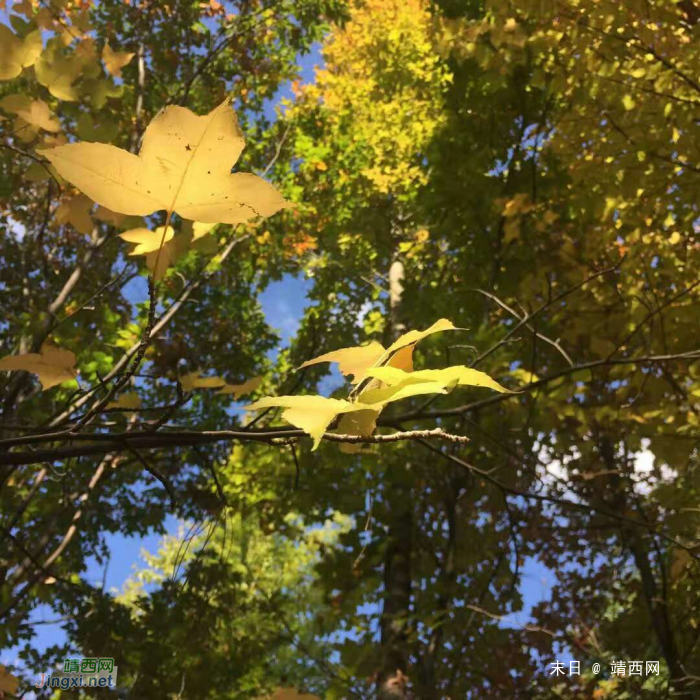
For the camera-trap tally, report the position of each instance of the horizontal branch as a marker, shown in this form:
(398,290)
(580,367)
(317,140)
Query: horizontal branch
(103,443)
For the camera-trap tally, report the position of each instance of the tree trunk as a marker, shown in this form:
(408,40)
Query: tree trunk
(653,597)
(397,557)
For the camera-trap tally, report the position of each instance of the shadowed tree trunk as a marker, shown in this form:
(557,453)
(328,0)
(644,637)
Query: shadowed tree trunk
(397,556)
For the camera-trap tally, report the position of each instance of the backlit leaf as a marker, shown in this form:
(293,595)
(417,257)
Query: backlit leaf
(239,390)
(15,53)
(184,166)
(52,365)
(351,361)
(115,60)
(193,381)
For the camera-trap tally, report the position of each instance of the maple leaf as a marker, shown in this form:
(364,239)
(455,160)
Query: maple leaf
(193,380)
(399,383)
(115,60)
(239,390)
(161,251)
(36,113)
(57,73)
(183,166)
(52,365)
(15,53)
(146,240)
(76,211)
(352,361)
(312,414)
(357,360)
(8,682)
(129,400)
(391,378)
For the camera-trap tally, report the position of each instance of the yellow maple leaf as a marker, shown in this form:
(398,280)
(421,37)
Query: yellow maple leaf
(199,229)
(129,400)
(8,682)
(76,212)
(184,166)
(115,60)
(15,53)
(36,113)
(412,337)
(193,380)
(239,390)
(398,381)
(357,423)
(312,414)
(146,240)
(391,378)
(161,251)
(52,365)
(57,73)
(353,361)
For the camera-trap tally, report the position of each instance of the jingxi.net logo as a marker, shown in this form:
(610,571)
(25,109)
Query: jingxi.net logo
(82,673)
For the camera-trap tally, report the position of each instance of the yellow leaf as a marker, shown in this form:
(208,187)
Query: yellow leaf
(401,390)
(15,53)
(52,365)
(76,212)
(146,240)
(403,359)
(351,361)
(128,400)
(115,60)
(199,229)
(8,682)
(312,414)
(448,377)
(412,337)
(58,73)
(357,423)
(159,261)
(628,102)
(34,112)
(239,390)
(193,381)
(184,167)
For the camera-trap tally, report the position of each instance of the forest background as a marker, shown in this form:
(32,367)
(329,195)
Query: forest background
(528,170)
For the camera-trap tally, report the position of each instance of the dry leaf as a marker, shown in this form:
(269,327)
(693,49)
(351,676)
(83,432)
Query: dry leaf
(115,60)
(184,166)
(8,682)
(52,365)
